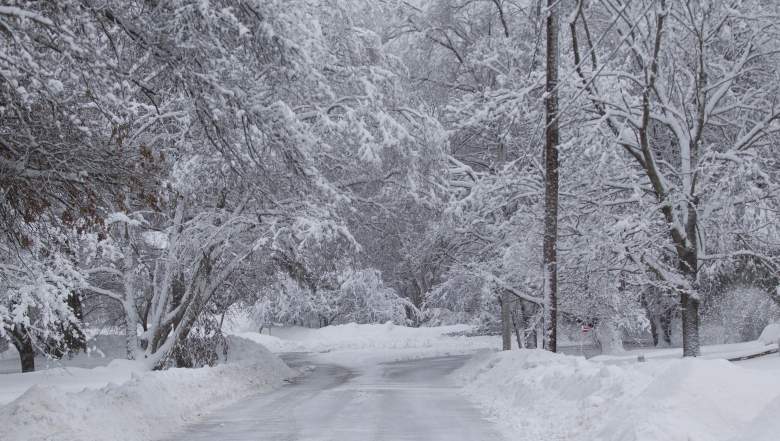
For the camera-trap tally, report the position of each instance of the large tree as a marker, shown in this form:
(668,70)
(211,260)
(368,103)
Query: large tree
(687,90)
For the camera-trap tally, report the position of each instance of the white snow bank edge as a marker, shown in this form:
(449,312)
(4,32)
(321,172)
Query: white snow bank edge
(149,406)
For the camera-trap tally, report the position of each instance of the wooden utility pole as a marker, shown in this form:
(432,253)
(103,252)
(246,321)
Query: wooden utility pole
(551,182)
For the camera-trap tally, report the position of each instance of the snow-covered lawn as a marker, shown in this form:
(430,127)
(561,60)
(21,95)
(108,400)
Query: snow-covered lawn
(124,402)
(353,336)
(766,342)
(68,379)
(103,346)
(537,395)
(356,345)
(709,352)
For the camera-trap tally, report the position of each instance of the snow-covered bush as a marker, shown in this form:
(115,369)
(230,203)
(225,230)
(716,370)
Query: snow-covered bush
(37,298)
(358,296)
(364,298)
(738,314)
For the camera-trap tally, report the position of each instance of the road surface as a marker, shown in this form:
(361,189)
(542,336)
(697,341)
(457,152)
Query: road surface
(400,401)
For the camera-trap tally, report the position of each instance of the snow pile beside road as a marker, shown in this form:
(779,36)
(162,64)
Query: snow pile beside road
(68,379)
(690,400)
(770,334)
(368,337)
(147,406)
(550,396)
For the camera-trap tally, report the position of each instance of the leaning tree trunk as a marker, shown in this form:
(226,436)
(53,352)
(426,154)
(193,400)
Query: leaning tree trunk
(189,301)
(518,323)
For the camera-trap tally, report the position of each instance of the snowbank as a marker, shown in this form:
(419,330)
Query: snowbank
(770,334)
(551,396)
(709,352)
(68,379)
(147,406)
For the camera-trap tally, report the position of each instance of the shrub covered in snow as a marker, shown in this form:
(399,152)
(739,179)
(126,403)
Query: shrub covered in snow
(770,334)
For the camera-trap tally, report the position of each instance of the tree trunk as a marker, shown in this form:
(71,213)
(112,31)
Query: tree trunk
(531,337)
(506,321)
(666,325)
(651,316)
(518,323)
(690,325)
(27,356)
(689,264)
(654,330)
(131,329)
(24,346)
(182,324)
(551,183)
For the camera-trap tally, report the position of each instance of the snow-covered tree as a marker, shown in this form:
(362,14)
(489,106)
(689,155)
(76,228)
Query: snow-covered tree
(37,296)
(688,96)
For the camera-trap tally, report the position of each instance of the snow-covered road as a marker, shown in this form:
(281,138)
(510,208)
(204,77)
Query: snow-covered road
(399,401)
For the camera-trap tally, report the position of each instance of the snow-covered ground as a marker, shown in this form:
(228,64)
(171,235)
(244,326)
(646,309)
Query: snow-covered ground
(536,395)
(709,352)
(103,346)
(530,394)
(361,337)
(356,345)
(95,396)
(123,402)
(542,396)
(68,379)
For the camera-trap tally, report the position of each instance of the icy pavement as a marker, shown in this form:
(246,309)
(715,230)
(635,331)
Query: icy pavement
(398,401)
